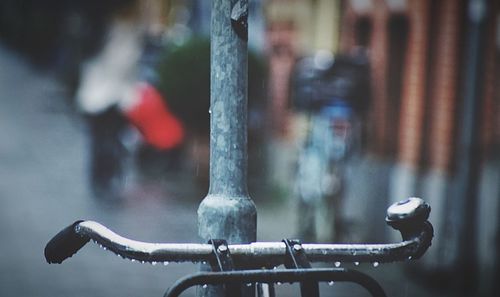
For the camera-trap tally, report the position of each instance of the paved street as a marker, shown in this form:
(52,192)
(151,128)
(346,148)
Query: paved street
(43,188)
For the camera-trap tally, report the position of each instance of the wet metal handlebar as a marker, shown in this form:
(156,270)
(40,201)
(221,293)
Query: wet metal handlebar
(408,216)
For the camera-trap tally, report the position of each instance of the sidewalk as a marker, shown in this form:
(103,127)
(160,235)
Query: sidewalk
(43,189)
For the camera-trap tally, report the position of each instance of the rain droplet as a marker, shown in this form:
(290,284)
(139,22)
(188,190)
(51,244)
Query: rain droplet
(278,283)
(353,252)
(410,257)
(143,262)
(337,264)
(104,248)
(249,284)
(153,263)
(274,268)
(204,286)
(356,263)
(204,262)
(165,263)
(133,260)
(375,264)
(331,283)
(209,110)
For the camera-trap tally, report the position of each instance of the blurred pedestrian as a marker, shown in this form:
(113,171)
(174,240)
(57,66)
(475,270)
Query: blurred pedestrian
(112,94)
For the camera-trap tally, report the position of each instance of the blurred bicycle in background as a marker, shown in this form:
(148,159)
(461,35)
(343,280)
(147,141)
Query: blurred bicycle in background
(334,93)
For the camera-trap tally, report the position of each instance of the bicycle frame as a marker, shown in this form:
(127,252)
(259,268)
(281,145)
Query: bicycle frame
(277,276)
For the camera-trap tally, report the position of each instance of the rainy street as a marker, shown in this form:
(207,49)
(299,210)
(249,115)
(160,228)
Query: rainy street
(361,133)
(43,187)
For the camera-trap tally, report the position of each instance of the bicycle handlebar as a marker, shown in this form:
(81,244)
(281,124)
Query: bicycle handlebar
(409,217)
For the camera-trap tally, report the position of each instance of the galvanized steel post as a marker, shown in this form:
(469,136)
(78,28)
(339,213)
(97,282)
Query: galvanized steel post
(227,212)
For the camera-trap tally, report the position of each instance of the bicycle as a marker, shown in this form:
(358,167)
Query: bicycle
(330,90)
(236,265)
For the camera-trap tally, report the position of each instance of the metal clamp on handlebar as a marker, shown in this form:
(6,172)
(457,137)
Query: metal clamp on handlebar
(221,260)
(296,258)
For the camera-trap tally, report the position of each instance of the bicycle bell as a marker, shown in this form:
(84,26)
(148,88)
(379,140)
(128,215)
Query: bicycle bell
(408,215)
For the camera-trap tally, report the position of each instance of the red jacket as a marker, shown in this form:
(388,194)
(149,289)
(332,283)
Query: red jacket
(152,117)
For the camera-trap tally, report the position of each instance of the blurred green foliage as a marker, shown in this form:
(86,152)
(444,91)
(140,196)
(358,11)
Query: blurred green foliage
(184,80)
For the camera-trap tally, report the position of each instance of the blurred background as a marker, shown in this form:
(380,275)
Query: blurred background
(352,105)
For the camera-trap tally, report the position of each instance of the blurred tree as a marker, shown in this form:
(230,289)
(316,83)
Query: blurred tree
(184,79)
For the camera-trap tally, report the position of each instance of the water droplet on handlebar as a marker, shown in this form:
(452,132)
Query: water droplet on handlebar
(356,263)
(337,264)
(375,264)
(331,283)
(165,263)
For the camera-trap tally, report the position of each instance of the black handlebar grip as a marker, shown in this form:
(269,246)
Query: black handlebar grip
(65,244)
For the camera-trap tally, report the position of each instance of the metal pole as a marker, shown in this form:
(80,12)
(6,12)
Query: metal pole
(228,212)
(468,169)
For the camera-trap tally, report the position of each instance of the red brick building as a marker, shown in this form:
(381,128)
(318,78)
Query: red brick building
(418,70)
(418,63)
